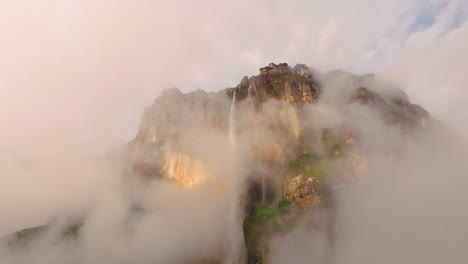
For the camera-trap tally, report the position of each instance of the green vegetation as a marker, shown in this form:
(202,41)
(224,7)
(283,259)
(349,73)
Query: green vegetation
(73,230)
(24,236)
(318,172)
(262,224)
(310,165)
(303,161)
(301,79)
(266,213)
(268,219)
(29,232)
(283,204)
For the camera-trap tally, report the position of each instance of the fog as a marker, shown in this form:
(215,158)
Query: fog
(410,208)
(75,77)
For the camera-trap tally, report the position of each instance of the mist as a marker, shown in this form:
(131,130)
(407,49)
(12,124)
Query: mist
(76,76)
(408,208)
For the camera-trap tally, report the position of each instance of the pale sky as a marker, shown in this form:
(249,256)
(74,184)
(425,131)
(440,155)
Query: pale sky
(78,73)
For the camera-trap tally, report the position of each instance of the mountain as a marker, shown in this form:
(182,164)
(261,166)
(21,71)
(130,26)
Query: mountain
(288,138)
(292,166)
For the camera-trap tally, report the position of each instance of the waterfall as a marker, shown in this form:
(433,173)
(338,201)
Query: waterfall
(237,250)
(252,86)
(251,100)
(232,125)
(236,247)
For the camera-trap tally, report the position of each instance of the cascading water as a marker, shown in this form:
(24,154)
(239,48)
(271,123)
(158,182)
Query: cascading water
(250,94)
(236,250)
(252,86)
(232,127)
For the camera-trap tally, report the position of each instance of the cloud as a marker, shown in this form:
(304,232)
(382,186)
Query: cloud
(98,62)
(408,210)
(75,75)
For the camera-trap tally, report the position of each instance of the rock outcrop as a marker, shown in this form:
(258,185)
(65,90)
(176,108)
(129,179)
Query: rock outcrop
(292,162)
(273,104)
(396,111)
(175,117)
(294,85)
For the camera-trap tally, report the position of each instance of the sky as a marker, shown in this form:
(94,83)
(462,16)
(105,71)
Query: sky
(75,75)
(91,66)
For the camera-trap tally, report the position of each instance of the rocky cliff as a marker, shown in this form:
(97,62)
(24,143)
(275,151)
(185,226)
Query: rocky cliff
(274,100)
(297,135)
(175,117)
(294,166)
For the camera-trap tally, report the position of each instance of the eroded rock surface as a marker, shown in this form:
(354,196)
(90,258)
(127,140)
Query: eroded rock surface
(292,162)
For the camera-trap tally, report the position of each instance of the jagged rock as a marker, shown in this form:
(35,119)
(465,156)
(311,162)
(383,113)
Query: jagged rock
(175,116)
(273,68)
(295,85)
(395,112)
(173,112)
(365,96)
(183,169)
(277,94)
(274,103)
(25,237)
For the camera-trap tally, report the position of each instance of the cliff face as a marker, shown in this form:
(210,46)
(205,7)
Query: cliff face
(174,112)
(273,101)
(294,85)
(292,166)
(176,117)
(288,137)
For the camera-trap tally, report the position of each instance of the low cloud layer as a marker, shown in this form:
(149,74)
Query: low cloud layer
(98,63)
(75,76)
(409,210)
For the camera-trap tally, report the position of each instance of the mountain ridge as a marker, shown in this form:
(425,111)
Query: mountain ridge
(289,137)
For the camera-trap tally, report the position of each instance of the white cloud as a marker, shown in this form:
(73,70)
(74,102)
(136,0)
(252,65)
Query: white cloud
(75,75)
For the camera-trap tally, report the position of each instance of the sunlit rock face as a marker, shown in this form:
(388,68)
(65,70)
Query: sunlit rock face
(271,119)
(295,137)
(173,113)
(172,118)
(274,131)
(183,169)
(267,105)
(294,85)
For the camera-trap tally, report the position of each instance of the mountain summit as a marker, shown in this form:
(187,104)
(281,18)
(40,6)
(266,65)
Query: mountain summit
(276,146)
(278,98)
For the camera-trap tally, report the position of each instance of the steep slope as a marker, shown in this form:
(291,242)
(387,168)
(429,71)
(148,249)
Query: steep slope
(175,117)
(283,141)
(292,167)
